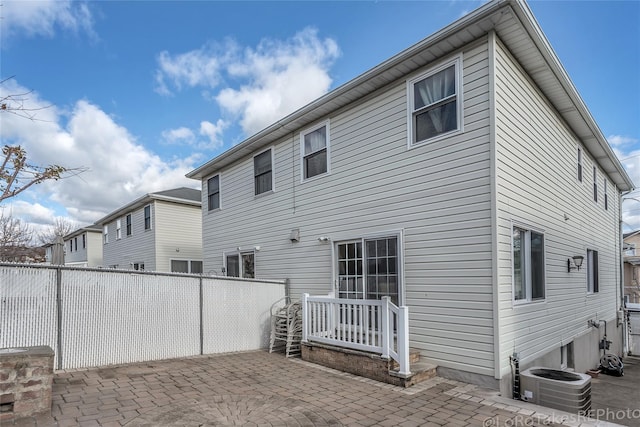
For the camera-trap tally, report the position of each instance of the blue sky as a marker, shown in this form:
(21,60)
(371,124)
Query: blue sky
(142,92)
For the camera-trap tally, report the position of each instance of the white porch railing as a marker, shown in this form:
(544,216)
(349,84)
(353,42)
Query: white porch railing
(376,326)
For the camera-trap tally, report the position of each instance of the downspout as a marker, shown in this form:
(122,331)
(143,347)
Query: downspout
(493,149)
(625,344)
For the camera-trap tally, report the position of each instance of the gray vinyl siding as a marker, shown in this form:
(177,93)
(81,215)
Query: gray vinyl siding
(88,256)
(139,247)
(537,186)
(178,231)
(438,195)
(94,249)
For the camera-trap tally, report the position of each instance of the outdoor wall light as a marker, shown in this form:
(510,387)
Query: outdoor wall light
(323,239)
(577,263)
(256,248)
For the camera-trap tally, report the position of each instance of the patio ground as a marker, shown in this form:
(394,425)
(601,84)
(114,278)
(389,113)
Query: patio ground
(262,389)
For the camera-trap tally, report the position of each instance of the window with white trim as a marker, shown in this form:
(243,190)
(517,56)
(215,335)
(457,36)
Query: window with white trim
(84,241)
(128,221)
(579,164)
(105,234)
(147,217)
(314,148)
(593,285)
(118,229)
(240,264)
(263,172)
(369,268)
(213,193)
(606,196)
(528,265)
(186,266)
(435,103)
(595,184)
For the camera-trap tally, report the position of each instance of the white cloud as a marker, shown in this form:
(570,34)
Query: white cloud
(213,132)
(179,135)
(43,17)
(620,140)
(119,169)
(274,79)
(33,213)
(201,67)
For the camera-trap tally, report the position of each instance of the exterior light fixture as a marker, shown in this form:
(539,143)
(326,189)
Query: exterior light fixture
(323,239)
(577,263)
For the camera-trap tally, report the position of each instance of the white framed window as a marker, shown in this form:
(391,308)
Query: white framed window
(147,217)
(593,274)
(240,264)
(528,265)
(128,224)
(118,229)
(105,234)
(369,267)
(263,172)
(213,193)
(315,151)
(84,241)
(595,184)
(579,165)
(435,103)
(186,266)
(606,195)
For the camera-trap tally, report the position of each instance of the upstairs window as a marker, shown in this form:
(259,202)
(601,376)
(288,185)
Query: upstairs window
(435,103)
(606,196)
(315,151)
(84,241)
(528,265)
(592,272)
(70,245)
(147,217)
(105,234)
(75,239)
(595,184)
(118,229)
(579,164)
(213,193)
(128,224)
(263,172)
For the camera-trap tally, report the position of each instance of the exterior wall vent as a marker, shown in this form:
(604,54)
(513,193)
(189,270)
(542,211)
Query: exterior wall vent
(563,390)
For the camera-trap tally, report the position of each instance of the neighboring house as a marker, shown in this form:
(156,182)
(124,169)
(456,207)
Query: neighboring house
(83,247)
(631,250)
(460,177)
(157,232)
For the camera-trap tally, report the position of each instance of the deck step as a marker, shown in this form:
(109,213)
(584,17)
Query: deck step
(420,371)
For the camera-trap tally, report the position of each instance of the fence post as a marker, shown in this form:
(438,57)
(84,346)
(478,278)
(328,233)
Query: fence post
(59,315)
(385,326)
(201,318)
(305,317)
(403,340)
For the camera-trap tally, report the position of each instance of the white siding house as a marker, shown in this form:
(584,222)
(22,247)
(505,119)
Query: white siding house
(83,247)
(447,178)
(157,232)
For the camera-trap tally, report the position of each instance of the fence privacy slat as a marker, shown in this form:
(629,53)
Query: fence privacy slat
(112,317)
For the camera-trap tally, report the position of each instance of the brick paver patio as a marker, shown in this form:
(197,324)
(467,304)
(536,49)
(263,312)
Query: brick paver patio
(262,389)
